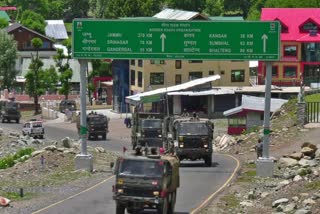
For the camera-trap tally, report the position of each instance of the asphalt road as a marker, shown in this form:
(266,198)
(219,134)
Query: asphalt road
(198,183)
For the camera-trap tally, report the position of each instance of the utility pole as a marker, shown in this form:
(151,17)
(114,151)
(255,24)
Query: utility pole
(265,165)
(83,160)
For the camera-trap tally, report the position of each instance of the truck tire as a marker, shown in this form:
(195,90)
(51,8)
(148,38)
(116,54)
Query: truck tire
(120,209)
(208,160)
(163,208)
(17,121)
(104,136)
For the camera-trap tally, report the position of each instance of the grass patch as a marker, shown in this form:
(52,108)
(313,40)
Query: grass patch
(313,98)
(315,185)
(247,176)
(27,115)
(15,196)
(230,201)
(251,165)
(8,161)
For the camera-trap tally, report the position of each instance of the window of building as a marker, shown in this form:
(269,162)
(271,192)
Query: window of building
(131,92)
(46,44)
(195,61)
(195,75)
(237,76)
(140,63)
(222,72)
(211,73)
(133,77)
(275,72)
(308,26)
(290,51)
(132,62)
(161,62)
(235,122)
(178,79)
(156,78)
(139,79)
(290,71)
(178,64)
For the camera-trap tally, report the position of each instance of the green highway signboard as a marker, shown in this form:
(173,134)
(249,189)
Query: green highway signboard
(197,40)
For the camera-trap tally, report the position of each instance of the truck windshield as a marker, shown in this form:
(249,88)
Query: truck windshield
(151,123)
(144,168)
(193,129)
(97,120)
(12,105)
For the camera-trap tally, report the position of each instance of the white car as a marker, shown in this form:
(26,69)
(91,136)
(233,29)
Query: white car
(33,129)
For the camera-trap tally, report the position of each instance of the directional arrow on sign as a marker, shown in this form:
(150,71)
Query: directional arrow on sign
(264,38)
(163,37)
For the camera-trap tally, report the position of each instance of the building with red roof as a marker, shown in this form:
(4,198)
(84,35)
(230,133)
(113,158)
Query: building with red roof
(300,46)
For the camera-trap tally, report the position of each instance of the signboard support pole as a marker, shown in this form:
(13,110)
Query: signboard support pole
(265,165)
(83,160)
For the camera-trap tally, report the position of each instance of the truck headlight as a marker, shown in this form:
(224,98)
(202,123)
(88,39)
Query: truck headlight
(159,135)
(169,135)
(120,190)
(205,145)
(181,145)
(156,193)
(138,134)
(180,138)
(120,181)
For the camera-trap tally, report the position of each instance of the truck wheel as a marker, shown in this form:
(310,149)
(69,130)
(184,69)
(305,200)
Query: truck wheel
(17,121)
(120,209)
(89,136)
(208,160)
(104,136)
(3,120)
(163,208)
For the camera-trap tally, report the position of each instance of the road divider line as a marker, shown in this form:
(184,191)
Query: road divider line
(203,204)
(70,197)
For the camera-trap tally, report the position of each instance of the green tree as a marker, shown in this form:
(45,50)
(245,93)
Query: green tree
(3,23)
(213,7)
(8,51)
(292,3)
(34,84)
(37,6)
(62,63)
(98,8)
(56,9)
(192,5)
(132,8)
(33,21)
(50,79)
(76,9)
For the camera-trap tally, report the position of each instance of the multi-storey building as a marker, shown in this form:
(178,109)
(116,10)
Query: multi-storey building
(300,46)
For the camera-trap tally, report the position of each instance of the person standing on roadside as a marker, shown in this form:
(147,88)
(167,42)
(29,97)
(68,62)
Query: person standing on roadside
(259,148)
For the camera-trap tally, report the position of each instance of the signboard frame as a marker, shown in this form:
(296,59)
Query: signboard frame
(153,35)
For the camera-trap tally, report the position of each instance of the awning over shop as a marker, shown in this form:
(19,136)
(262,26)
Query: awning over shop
(155,95)
(214,91)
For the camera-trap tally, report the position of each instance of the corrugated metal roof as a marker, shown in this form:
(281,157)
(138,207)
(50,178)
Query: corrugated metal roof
(56,29)
(133,99)
(255,104)
(177,14)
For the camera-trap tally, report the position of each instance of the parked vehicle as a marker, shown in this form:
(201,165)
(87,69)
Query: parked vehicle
(33,128)
(190,138)
(9,110)
(146,182)
(146,130)
(67,104)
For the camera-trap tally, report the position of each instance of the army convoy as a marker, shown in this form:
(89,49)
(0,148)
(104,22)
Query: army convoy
(144,181)
(97,125)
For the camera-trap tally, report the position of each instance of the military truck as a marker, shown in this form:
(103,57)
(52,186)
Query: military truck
(146,130)
(146,182)
(9,110)
(98,125)
(189,137)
